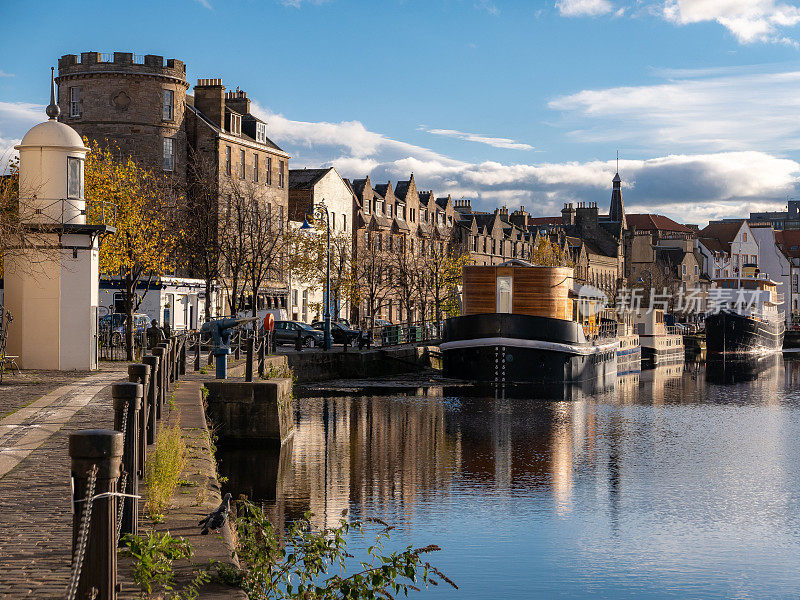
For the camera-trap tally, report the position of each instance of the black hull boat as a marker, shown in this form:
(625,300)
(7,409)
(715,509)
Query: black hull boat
(728,332)
(505,348)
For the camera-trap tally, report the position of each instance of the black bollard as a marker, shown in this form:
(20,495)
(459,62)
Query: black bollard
(262,350)
(184,341)
(101,448)
(248,368)
(152,398)
(140,373)
(238,351)
(298,342)
(273,342)
(197,353)
(127,405)
(161,379)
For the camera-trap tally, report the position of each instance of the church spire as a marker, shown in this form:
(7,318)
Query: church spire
(617,212)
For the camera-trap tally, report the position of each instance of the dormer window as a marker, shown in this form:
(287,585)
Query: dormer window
(261,133)
(236,124)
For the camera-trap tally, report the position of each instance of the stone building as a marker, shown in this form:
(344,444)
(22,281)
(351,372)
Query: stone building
(220,126)
(134,102)
(492,238)
(401,224)
(308,188)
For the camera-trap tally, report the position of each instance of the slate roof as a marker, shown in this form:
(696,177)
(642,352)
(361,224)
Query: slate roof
(305,179)
(359,185)
(381,189)
(269,143)
(717,236)
(788,239)
(545,220)
(401,189)
(442,202)
(653,222)
(672,256)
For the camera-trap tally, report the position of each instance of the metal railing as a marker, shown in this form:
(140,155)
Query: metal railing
(411,332)
(599,331)
(111,344)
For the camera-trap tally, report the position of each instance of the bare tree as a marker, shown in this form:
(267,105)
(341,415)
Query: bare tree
(233,249)
(371,263)
(405,276)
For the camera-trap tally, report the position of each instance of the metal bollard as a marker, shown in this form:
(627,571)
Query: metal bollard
(127,404)
(184,341)
(140,373)
(248,369)
(152,399)
(161,380)
(101,448)
(262,350)
(165,366)
(197,354)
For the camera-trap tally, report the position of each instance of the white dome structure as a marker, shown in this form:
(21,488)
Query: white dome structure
(52,134)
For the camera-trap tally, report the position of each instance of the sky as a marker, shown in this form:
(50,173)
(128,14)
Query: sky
(506,103)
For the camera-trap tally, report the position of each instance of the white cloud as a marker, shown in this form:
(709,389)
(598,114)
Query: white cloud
(731,111)
(496,142)
(205,4)
(688,187)
(583,8)
(15,120)
(4,74)
(748,20)
(487,5)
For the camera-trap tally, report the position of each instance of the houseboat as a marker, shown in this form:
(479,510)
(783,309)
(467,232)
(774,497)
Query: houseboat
(744,318)
(660,344)
(629,351)
(526,324)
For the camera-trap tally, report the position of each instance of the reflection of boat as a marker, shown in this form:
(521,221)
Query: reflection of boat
(738,369)
(660,344)
(748,320)
(576,390)
(523,324)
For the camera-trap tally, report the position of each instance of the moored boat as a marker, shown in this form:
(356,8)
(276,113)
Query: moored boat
(746,319)
(660,343)
(525,324)
(629,350)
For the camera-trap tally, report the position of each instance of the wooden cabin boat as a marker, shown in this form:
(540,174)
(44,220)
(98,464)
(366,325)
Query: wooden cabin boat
(629,350)
(525,324)
(747,319)
(660,344)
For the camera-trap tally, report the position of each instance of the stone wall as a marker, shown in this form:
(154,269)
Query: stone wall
(251,411)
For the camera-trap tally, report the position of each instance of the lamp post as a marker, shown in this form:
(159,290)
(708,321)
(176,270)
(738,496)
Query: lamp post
(307,227)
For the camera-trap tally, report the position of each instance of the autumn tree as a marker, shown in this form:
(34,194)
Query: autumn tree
(441,269)
(146,232)
(371,275)
(547,253)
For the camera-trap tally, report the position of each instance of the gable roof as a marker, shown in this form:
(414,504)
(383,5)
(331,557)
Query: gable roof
(788,239)
(304,179)
(545,220)
(653,222)
(718,235)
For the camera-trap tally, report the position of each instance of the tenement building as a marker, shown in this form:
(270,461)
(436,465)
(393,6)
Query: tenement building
(491,238)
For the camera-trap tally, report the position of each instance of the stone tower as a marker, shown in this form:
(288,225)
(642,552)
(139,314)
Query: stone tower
(132,101)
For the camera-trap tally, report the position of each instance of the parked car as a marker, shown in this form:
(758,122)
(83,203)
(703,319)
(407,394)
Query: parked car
(114,326)
(339,332)
(286,333)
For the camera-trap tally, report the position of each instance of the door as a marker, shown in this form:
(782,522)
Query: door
(504,294)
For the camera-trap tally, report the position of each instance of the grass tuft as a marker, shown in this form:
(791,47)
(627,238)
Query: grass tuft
(163,467)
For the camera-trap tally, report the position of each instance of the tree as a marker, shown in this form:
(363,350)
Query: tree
(547,253)
(371,275)
(441,273)
(146,229)
(405,276)
(201,245)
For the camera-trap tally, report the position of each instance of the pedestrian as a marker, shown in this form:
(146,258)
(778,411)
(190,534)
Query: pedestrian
(154,334)
(167,331)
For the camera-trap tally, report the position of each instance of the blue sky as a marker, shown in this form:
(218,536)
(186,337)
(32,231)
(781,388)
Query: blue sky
(502,102)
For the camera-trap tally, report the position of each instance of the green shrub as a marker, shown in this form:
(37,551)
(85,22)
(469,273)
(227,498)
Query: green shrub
(163,467)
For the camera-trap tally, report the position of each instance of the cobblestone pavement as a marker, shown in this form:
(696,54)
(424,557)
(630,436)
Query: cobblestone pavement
(36,522)
(18,390)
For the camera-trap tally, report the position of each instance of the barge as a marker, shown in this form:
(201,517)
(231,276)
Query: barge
(526,324)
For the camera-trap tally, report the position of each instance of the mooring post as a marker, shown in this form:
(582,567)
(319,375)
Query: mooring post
(152,398)
(140,373)
(262,350)
(184,341)
(127,404)
(95,455)
(160,380)
(248,368)
(197,352)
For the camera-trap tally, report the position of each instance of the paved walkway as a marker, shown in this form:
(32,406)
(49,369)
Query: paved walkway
(36,518)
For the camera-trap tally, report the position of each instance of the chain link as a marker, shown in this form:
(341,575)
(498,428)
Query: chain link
(83,536)
(123,477)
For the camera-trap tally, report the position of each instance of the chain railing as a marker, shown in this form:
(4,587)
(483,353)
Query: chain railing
(83,536)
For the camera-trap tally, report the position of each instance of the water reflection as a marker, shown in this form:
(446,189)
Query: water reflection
(676,482)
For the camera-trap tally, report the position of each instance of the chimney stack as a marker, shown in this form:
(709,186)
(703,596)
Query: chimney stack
(209,99)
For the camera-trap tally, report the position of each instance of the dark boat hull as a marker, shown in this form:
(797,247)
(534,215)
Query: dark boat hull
(731,333)
(508,348)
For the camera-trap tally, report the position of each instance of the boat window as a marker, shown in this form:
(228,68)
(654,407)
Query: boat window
(504,287)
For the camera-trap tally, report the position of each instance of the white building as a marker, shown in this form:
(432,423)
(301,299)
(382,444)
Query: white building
(726,246)
(776,265)
(308,188)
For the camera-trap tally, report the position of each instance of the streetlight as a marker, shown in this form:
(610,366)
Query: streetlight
(307,227)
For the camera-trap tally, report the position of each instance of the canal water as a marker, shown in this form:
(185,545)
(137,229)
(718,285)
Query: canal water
(678,482)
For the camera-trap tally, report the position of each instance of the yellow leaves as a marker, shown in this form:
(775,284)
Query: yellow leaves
(145,239)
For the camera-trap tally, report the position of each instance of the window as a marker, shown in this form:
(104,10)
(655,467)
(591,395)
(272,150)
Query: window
(227,160)
(74,102)
(412,214)
(684,269)
(294,297)
(255,167)
(236,124)
(280,174)
(344,222)
(269,170)
(261,132)
(366,207)
(744,236)
(169,154)
(754,258)
(167,107)
(74,178)
(504,286)
(242,161)
(695,269)
(333,221)
(280,219)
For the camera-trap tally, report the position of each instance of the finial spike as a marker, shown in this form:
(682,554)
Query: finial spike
(52,110)
(617,160)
